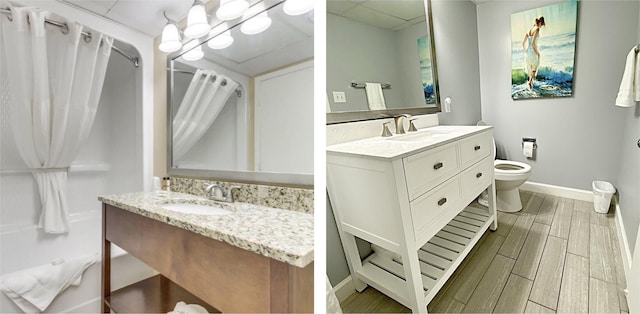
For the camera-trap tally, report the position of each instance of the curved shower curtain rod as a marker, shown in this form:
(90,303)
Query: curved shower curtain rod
(65,29)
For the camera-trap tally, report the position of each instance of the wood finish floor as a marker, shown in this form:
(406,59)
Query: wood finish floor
(556,255)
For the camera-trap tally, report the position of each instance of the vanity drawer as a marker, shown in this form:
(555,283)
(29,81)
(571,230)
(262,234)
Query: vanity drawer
(477,178)
(428,207)
(475,148)
(425,170)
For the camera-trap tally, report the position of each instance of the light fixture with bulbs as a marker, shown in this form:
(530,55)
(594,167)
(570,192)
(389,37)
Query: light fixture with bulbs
(256,24)
(297,7)
(231,9)
(197,22)
(254,20)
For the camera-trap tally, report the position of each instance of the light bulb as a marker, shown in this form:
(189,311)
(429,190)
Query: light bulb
(297,7)
(197,24)
(170,38)
(221,41)
(256,24)
(231,9)
(193,51)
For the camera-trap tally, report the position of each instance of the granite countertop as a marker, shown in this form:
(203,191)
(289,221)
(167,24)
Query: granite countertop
(399,146)
(283,235)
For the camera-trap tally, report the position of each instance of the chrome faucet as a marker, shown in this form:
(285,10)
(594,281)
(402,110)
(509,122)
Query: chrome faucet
(399,120)
(227,195)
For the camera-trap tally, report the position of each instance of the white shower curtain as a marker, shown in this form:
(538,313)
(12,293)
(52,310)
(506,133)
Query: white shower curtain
(56,80)
(206,95)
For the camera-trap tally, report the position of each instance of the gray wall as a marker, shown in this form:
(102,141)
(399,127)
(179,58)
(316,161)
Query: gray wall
(580,137)
(360,53)
(456,43)
(454,23)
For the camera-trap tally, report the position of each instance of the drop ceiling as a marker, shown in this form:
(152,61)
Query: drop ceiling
(391,15)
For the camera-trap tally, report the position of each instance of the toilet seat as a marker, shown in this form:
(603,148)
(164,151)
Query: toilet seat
(510,167)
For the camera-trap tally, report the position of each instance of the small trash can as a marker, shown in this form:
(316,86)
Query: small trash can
(602,193)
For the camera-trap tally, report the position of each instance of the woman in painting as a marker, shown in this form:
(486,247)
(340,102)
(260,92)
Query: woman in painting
(531,53)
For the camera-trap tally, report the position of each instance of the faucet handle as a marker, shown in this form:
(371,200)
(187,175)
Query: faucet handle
(412,127)
(385,129)
(229,195)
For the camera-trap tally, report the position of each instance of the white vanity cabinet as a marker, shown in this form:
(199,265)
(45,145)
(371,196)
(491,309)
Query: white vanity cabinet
(409,194)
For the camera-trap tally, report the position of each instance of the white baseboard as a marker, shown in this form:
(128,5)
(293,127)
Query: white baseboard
(560,191)
(625,251)
(344,289)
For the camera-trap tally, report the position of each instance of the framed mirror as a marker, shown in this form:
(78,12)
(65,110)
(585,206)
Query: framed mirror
(381,60)
(245,112)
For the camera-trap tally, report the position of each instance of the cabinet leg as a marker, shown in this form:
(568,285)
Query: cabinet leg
(353,259)
(413,277)
(493,209)
(106,266)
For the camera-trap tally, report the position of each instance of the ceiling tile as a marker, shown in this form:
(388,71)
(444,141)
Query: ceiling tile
(338,7)
(372,17)
(98,7)
(406,10)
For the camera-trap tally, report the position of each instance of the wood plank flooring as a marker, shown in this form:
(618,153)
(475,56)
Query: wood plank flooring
(556,255)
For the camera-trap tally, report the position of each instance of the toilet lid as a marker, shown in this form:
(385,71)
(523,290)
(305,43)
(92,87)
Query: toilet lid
(509,166)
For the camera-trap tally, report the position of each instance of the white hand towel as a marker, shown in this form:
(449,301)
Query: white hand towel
(629,91)
(35,288)
(375,97)
(183,308)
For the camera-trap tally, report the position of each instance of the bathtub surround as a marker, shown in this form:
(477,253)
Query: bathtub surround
(116,157)
(295,199)
(56,80)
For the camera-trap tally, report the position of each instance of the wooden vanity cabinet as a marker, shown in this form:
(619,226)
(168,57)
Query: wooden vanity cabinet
(414,205)
(197,269)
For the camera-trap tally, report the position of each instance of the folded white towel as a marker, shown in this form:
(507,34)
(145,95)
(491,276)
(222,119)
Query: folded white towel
(629,91)
(35,288)
(183,308)
(375,97)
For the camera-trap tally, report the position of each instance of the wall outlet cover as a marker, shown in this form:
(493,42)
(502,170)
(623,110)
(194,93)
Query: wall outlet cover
(339,97)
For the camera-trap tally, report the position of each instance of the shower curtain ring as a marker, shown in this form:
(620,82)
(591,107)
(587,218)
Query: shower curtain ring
(224,83)
(87,37)
(9,14)
(64,28)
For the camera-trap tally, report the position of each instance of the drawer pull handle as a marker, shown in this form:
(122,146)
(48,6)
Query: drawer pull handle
(438,166)
(479,174)
(477,147)
(442,201)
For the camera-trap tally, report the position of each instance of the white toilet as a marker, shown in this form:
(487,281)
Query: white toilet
(509,176)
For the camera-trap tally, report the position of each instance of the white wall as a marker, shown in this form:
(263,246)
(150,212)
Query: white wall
(580,137)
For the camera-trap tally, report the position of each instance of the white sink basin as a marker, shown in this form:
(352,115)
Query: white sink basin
(198,209)
(419,136)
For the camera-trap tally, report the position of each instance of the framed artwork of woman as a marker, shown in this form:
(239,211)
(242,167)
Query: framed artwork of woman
(543,43)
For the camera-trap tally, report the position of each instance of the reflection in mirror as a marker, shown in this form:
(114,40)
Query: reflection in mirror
(380,59)
(245,112)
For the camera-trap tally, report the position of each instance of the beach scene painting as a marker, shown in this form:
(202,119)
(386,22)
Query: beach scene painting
(424,55)
(543,45)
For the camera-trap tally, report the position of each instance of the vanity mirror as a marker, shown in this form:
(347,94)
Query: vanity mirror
(380,41)
(245,112)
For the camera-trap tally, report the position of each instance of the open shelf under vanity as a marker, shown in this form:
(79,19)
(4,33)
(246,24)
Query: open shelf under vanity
(156,294)
(439,258)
